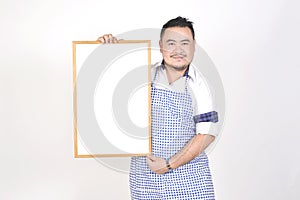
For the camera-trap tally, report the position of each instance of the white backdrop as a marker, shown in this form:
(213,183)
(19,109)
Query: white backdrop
(254,44)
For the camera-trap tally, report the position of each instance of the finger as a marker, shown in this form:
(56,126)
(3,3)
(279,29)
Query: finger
(110,38)
(114,40)
(149,162)
(151,157)
(148,157)
(105,37)
(101,39)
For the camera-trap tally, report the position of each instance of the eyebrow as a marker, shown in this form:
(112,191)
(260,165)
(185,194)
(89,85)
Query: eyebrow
(170,40)
(184,40)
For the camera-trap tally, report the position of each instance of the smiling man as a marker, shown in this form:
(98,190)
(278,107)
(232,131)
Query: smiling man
(177,45)
(182,113)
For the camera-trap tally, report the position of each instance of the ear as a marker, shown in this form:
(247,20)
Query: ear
(160,46)
(195,44)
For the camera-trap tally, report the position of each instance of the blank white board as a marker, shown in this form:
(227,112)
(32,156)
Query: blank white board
(111,99)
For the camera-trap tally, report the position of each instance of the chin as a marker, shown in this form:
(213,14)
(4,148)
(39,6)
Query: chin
(177,65)
(180,67)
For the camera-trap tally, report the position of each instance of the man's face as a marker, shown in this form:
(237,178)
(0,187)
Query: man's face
(177,47)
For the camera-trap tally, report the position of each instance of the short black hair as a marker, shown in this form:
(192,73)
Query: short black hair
(178,22)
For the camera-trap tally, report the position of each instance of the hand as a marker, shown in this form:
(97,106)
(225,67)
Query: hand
(157,165)
(107,38)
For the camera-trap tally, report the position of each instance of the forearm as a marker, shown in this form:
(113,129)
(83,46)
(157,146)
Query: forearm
(191,150)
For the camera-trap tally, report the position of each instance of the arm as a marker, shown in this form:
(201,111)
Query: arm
(204,117)
(191,150)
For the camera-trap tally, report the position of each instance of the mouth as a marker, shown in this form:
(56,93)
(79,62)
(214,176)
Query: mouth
(178,57)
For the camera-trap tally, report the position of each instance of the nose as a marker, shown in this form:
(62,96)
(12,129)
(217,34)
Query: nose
(178,48)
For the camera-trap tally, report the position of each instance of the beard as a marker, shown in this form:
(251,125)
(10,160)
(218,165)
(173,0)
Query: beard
(179,67)
(176,66)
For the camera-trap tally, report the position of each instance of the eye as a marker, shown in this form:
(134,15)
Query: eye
(185,43)
(171,43)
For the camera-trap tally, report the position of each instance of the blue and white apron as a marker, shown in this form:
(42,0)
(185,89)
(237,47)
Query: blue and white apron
(172,128)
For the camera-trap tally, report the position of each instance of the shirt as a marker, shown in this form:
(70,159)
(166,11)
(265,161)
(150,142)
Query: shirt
(205,116)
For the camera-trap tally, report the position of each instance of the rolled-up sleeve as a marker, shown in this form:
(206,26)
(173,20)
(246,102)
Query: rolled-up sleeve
(205,115)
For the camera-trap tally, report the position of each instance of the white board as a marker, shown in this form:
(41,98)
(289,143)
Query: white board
(112,102)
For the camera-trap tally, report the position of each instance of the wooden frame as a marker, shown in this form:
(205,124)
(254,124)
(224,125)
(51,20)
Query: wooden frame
(77,143)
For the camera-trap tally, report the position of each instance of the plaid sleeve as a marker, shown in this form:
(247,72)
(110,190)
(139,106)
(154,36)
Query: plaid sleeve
(207,117)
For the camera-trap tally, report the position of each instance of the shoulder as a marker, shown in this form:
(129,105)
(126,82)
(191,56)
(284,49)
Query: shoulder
(196,75)
(199,90)
(196,78)
(155,66)
(155,69)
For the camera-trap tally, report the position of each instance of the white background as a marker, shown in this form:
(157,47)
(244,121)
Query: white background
(254,44)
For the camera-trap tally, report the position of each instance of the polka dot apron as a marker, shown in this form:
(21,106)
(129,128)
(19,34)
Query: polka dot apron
(172,128)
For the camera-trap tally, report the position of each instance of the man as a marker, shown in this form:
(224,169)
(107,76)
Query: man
(181,116)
